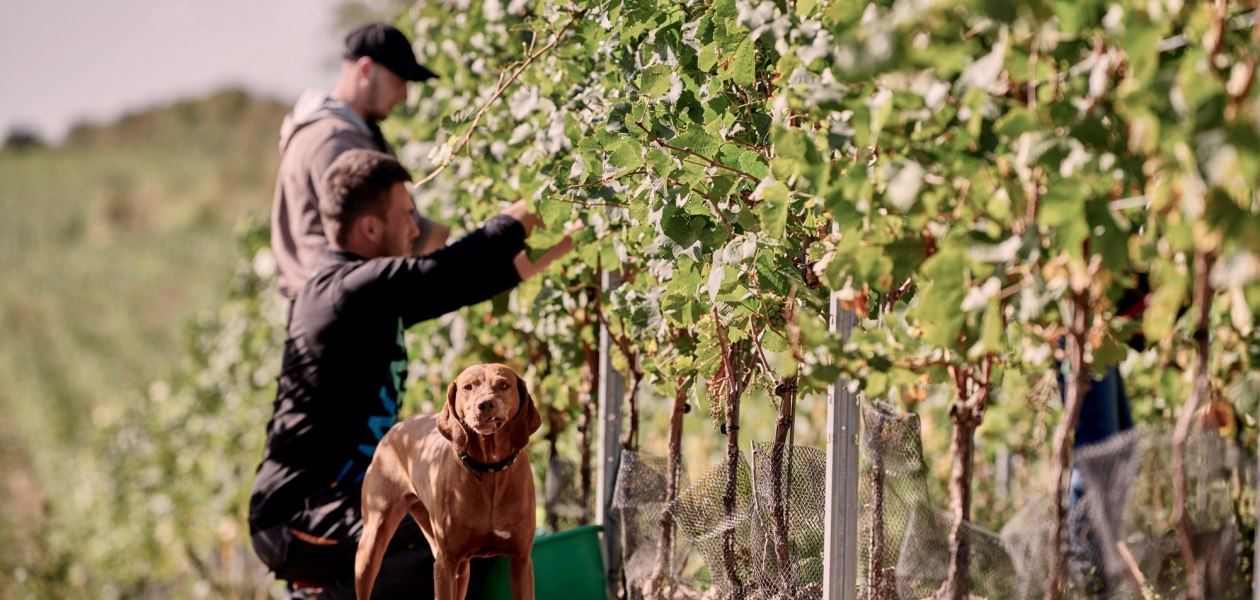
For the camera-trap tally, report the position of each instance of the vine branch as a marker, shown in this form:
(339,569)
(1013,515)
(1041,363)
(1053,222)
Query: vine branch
(658,141)
(623,344)
(730,232)
(608,179)
(590,204)
(502,87)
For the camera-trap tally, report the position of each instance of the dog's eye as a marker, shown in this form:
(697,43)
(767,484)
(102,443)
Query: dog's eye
(467,387)
(502,386)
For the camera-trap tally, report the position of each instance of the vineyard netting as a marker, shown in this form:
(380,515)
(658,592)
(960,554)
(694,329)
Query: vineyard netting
(1121,541)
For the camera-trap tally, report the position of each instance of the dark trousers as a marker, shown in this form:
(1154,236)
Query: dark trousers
(406,571)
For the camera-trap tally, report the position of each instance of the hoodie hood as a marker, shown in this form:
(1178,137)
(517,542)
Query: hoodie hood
(312,106)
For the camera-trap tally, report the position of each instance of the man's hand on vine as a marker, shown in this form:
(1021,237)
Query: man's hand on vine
(527,219)
(525,268)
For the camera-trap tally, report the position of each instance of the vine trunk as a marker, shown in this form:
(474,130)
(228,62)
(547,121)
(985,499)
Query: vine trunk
(1198,394)
(780,499)
(663,570)
(1074,392)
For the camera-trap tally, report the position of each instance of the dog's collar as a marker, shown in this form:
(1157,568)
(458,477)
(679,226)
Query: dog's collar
(479,467)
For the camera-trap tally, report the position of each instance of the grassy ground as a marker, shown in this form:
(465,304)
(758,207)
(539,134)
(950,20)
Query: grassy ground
(109,245)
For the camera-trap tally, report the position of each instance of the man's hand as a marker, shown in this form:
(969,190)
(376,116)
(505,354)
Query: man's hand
(522,215)
(526,269)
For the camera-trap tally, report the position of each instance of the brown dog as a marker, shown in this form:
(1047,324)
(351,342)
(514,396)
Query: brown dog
(462,475)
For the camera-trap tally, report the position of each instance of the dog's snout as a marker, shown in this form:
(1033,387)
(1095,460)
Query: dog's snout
(485,404)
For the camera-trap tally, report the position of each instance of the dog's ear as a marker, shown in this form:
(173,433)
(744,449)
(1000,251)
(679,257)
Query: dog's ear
(527,419)
(450,425)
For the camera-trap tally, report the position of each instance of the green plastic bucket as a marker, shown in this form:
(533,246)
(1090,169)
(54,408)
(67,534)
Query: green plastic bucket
(568,565)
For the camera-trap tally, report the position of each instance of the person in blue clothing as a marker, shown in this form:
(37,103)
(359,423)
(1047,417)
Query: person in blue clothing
(1104,413)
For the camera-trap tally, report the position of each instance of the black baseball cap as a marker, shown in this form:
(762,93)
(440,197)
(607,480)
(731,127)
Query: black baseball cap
(388,47)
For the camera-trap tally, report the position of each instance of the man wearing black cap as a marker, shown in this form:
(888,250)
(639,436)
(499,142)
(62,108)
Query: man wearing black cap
(378,63)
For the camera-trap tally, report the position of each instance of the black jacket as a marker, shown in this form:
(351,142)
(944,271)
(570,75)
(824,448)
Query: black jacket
(345,367)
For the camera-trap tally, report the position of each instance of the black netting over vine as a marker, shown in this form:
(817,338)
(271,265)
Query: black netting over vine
(923,564)
(639,504)
(714,515)
(1121,529)
(904,540)
(893,482)
(787,550)
(1027,537)
(639,500)
(1129,499)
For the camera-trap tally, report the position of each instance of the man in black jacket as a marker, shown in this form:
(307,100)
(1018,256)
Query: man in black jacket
(345,366)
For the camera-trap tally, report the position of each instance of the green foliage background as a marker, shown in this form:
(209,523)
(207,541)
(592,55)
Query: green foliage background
(118,258)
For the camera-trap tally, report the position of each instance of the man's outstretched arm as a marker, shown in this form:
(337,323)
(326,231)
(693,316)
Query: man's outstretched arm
(471,270)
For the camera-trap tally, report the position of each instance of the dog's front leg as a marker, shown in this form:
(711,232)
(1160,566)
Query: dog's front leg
(522,577)
(378,528)
(450,578)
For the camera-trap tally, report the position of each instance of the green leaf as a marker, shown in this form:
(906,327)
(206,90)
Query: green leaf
(1093,132)
(905,255)
(1161,313)
(1015,123)
(1064,202)
(754,164)
(872,267)
(881,109)
(719,187)
(939,310)
(1141,48)
(707,57)
(743,65)
(724,9)
(731,289)
(1143,131)
(734,156)
(903,188)
(625,154)
(1110,352)
(773,209)
(654,81)
(794,144)
(785,365)
(1109,240)
(676,224)
(555,213)
(674,307)
(1001,10)
(695,138)
(992,330)
(876,384)
(638,111)
(775,273)
(841,201)
(661,163)
(844,12)
(1075,15)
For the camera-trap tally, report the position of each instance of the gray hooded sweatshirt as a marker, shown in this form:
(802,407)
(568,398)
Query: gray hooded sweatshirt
(318,130)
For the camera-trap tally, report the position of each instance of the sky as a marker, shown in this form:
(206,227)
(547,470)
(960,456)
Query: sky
(67,61)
